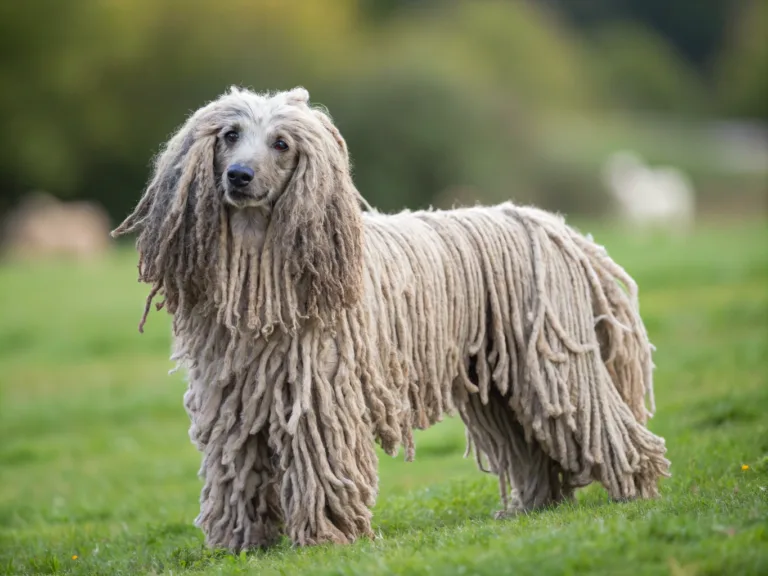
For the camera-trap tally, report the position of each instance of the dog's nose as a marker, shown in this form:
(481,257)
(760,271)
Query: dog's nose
(239,175)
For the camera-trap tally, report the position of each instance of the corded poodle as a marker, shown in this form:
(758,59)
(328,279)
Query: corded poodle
(312,326)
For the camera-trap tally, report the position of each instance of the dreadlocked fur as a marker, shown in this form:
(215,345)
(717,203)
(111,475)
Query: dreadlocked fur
(310,329)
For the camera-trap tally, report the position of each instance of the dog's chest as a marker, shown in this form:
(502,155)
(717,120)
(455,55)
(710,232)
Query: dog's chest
(250,225)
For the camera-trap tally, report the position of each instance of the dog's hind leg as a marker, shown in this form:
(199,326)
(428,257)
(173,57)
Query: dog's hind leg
(528,478)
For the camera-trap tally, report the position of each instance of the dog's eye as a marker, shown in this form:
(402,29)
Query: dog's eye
(232,136)
(280,145)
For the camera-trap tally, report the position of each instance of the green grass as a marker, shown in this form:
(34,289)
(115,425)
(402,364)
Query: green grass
(95,461)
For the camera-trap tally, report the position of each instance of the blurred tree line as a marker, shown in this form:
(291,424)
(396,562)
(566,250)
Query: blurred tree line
(430,94)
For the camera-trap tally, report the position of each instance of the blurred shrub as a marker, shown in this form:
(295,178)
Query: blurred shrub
(443,106)
(413,133)
(638,70)
(742,69)
(515,49)
(84,105)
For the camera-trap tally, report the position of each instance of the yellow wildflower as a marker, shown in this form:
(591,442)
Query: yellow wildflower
(744,467)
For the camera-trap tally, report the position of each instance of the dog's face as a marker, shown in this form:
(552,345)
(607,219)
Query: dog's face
(250,175)
(257,150)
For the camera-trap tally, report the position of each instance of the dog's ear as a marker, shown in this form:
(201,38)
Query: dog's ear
(298,95)
(320,224)
(328,124)
(167,167)
(179,190)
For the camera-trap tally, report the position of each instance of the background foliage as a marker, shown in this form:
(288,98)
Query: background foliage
(431,95)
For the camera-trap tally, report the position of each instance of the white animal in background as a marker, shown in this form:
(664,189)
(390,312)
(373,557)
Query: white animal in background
(650,197)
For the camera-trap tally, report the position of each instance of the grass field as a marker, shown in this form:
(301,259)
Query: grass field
(97,474)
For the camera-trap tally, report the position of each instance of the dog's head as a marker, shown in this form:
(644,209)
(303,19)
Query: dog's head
(277,167)
(261,142)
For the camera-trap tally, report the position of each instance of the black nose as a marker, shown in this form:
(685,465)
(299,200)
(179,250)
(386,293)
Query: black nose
(239,175)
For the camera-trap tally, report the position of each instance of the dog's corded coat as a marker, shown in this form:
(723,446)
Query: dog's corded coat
(341,327)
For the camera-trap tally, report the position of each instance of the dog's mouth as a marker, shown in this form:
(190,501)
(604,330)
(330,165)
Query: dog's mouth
(240,198)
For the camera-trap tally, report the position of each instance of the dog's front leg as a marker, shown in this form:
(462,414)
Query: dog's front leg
(239,502)
(326,490)
(328,465)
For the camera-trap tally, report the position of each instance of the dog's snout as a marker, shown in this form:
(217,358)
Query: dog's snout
(239,175)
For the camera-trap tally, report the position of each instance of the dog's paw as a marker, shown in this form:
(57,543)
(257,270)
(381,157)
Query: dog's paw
(507,513)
